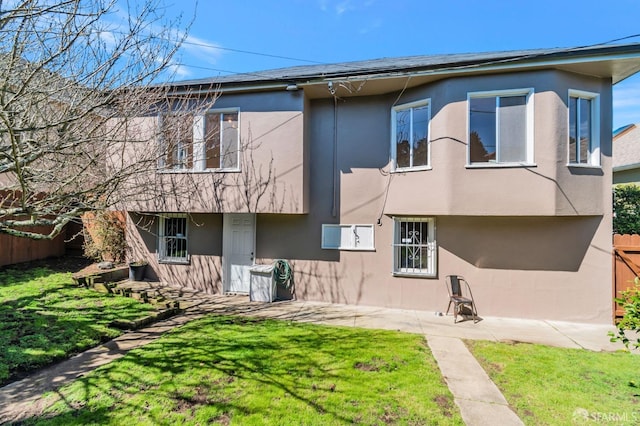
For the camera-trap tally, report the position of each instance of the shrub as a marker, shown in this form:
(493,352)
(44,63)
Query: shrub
(626,209)
(630,302)
(104,236)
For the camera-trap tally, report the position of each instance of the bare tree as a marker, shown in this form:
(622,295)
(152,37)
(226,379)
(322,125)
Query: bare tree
(76,76)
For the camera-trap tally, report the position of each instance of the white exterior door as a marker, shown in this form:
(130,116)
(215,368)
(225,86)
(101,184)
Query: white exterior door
(238,248)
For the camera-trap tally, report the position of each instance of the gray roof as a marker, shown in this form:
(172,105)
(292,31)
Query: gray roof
(626,147)
(390,66)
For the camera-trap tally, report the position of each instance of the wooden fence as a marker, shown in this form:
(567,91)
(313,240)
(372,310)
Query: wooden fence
(626,265)
(18,250)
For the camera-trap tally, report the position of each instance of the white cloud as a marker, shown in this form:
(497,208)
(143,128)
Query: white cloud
(626,102)
(372,26)
(202,49)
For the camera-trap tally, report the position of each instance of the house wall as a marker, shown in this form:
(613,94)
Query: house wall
(204,271)
(626,176)
(271,179)
(534,242)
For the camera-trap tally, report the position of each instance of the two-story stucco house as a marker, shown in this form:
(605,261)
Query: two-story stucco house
(376,179)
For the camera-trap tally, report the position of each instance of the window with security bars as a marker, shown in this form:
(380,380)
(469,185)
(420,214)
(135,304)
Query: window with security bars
(414,246)
(172,246)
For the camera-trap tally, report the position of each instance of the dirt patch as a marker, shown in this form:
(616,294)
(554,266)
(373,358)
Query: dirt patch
(223,419)
(445,405)
(57,264)
(376,364)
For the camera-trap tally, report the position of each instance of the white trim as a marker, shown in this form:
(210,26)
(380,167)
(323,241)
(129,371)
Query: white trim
(498,165)
(227,246)
(393,152)
(594,158)
(432,248)
(161,247)
(530,126)
(198,160)
(353,243)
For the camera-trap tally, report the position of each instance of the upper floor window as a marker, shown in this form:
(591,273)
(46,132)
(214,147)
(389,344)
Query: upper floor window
(209,141)
(177,138)
(584,128)
(410,135)
(501,127)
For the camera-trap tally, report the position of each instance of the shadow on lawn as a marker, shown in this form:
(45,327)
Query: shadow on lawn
(211,362)
(52,323)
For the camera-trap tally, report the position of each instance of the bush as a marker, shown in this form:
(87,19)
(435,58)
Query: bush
(626,209)
(104,236)
(629,300)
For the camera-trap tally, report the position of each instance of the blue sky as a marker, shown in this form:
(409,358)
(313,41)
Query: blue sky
(237,36)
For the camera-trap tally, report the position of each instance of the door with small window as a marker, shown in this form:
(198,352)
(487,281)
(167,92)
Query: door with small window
(238,248)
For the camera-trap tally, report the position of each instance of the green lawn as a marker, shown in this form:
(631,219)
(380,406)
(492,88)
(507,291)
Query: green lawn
(44,317)
(556,386)
(242,371)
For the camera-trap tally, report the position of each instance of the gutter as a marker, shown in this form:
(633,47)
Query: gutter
(626,167)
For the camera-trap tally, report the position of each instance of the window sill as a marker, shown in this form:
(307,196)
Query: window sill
(412,169)
(584,166)
(499,165)
(349,248)
(174,262)
(414,275)
(191,171)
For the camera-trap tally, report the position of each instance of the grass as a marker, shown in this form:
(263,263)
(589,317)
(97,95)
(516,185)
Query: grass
(557,386)
(233,370)
(44,318)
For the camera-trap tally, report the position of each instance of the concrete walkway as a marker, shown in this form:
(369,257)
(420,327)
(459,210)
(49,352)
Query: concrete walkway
(479,400)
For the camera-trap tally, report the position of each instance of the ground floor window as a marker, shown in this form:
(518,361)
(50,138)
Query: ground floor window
(172,238)
(414,246)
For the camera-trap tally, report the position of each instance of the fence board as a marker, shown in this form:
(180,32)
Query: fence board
(626,265)
(19,250)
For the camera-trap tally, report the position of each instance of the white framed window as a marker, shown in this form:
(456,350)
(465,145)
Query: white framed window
(176,141)
(202,142)
(172,238)
(414,246)
(347,237)
(584,128)
(500,128)
(410,135)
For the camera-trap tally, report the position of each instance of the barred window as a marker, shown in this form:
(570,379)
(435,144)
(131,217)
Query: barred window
(172,235)
(414,246)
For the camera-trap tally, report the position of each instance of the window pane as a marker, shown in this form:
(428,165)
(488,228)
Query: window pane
(403,149)
(363,236)
(482,130)
(573,129)
(212,140)
(330,236)
(229,140)
(420,135)
(585,129)
(177,133)
(513,129)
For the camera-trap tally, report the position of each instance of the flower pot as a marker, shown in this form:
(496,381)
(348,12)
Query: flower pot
(136,271)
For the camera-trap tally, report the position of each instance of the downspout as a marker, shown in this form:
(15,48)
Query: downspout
(334,206)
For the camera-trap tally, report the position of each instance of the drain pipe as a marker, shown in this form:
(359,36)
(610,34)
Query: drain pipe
(334,207)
